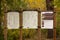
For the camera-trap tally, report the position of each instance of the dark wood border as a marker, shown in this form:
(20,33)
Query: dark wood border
(5,26)
(21,24)
(54,29)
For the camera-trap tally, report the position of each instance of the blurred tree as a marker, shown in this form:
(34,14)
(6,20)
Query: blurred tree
(57,5)
(15,4)
(36,4)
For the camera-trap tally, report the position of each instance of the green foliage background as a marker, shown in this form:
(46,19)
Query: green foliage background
(16,5)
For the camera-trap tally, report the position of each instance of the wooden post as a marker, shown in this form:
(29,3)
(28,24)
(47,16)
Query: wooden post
(5,26)
(54,30)
(21,24)
(39,25)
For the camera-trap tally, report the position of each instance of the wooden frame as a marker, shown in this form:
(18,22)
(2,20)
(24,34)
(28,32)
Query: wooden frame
(54,29)
(21,24)
(5,25)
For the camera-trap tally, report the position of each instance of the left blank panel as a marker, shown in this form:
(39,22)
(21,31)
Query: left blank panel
(13,20)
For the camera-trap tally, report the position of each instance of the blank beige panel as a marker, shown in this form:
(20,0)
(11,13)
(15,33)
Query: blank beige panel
(13,20)
(30,19)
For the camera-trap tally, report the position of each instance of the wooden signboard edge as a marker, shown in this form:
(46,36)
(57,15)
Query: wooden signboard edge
(39,25)
(54,24)
(5,25)
(21,24)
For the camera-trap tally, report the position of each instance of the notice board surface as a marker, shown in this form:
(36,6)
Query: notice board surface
(13,20)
